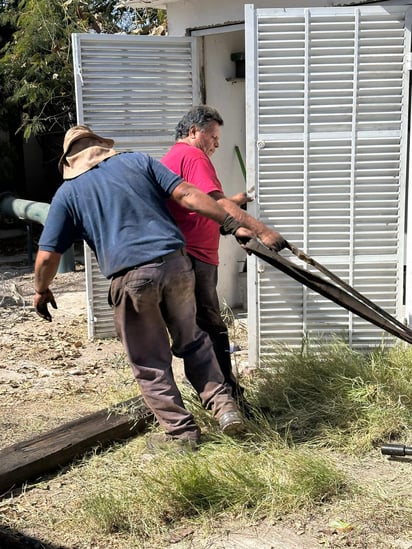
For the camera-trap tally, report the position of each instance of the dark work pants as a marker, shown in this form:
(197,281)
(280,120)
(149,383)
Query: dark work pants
(150,303)
(210,320)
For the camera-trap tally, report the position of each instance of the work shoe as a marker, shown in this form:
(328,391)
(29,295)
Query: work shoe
(231,423)
(163,442)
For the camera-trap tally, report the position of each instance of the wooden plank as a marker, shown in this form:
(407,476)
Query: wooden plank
(46,452)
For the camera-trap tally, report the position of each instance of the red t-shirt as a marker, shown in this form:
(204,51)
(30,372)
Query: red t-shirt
(201,234)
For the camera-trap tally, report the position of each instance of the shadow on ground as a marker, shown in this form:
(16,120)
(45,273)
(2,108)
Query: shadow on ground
(10,539)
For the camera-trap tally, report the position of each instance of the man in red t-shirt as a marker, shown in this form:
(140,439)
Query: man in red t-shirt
(197,138)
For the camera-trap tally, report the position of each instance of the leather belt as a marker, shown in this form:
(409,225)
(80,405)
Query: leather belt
(160,259)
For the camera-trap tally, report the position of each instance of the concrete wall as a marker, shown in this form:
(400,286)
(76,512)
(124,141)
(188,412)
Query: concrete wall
(188,14)
(228,96)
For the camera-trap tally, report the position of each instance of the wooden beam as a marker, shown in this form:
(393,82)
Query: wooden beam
(46,452)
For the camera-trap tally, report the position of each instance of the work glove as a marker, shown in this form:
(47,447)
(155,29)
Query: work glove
(40,304)
(231,226)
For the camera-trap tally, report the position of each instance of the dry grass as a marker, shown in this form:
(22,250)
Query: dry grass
(335,397)
(319,407)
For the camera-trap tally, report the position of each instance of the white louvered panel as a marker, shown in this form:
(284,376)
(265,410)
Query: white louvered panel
(133,89)
(381,49)
(280,187)
(328,197)
(329,90)
(135,85)
(376,279)
(280,197)
(99,313)
(280,310)
(377,204)
(281,48)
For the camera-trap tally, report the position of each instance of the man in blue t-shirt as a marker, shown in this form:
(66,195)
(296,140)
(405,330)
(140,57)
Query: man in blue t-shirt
(116,202)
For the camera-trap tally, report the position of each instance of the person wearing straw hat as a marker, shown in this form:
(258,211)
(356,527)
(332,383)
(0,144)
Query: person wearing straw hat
(116,202)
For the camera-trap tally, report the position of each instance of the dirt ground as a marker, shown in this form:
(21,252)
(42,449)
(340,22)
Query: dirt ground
(51,373)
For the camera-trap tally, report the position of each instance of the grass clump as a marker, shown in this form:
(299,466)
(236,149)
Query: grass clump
(336,397)
(233,479)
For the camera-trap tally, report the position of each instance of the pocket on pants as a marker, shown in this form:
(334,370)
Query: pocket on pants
(141,290)
(139,286)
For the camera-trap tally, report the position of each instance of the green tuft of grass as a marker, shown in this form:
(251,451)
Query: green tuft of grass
(336,397)
(238,478)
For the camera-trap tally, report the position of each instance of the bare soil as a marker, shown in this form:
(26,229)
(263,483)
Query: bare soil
(51,373)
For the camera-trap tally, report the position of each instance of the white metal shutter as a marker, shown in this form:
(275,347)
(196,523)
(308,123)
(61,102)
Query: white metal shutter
(327,115)
(133,89)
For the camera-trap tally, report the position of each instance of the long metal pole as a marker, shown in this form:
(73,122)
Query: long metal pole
(34,211)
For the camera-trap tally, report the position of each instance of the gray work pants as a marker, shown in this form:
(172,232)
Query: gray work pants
(150,303)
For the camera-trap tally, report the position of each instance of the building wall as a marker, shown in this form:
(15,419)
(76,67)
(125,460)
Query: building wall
(228,96)
(190,14)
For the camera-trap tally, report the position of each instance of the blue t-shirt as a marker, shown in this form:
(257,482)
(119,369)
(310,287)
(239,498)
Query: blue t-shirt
(119,208)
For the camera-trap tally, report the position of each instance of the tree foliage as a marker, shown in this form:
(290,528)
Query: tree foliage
(36,70)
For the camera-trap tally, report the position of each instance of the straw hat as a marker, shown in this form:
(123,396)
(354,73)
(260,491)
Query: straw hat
(95,149)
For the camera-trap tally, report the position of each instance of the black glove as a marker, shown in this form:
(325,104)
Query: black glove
(40,304)
(229,225)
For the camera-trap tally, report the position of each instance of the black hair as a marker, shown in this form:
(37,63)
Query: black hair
(199,116)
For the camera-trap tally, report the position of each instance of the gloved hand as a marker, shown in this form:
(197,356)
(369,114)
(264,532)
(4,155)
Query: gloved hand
(273,240)
(229,225)
(243,235)
(41,299)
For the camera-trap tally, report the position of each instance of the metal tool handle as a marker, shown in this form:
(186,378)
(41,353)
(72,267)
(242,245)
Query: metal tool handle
(335,292)
(396,450)
(310,261)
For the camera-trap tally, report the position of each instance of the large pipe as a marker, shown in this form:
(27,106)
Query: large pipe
(37,212)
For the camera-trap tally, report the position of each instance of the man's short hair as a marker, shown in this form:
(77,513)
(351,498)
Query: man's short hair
(200,116)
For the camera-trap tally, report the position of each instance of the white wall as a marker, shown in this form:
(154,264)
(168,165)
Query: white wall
(229,98)
(191,14)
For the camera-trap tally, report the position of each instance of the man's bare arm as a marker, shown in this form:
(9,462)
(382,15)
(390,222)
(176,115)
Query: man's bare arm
(192,198)
(268,236)
(45,270)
